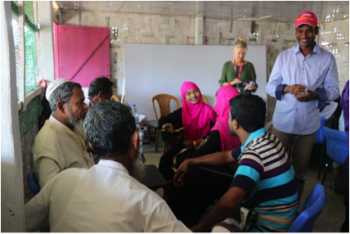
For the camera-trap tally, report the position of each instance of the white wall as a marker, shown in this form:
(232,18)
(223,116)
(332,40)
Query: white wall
(46,59)
(12,195)
(182,30)
(334,37)
(152,69)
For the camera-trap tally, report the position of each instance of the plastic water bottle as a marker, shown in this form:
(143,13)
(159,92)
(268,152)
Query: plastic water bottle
(139,130)
(135,114)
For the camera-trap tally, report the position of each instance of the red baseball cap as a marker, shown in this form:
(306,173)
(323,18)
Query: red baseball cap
(306,17)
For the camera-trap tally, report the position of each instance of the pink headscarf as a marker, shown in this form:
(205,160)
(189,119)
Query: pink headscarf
(195,117)
(222,108)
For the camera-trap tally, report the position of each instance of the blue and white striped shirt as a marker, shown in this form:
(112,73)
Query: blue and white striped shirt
(267,175)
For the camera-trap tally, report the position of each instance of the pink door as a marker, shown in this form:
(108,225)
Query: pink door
(81,53)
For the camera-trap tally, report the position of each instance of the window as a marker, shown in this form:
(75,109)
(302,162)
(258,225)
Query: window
(15,30)
(31,75)
(30,34)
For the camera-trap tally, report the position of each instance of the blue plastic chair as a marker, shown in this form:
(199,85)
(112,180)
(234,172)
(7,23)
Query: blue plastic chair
(321,139)
(337,147)
(310,211)
(33,183)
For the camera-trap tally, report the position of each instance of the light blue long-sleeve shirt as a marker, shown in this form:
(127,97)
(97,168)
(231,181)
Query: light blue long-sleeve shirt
(317,72)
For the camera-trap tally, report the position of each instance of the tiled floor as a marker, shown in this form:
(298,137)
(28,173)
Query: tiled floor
(332,215)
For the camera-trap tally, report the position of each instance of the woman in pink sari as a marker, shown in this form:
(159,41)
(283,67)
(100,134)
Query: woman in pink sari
(220,138)
(195,116)
(222,108)
(190,201)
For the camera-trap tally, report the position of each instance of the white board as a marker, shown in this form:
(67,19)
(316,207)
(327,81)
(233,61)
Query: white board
(152,69)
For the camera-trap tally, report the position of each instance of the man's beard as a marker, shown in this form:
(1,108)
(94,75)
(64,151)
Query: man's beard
(73,120)
(138,170)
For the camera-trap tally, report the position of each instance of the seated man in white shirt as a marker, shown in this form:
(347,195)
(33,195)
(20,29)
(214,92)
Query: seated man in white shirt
(59,144)
(104,198)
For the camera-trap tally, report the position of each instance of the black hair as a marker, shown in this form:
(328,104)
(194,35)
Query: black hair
(249,111)
(99,84)
(109,126)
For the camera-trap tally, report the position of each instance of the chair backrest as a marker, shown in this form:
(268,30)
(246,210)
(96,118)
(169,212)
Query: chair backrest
(163,101)
(337,144)
(320,137)
(310,211)
(329,110)
(33,184)
(205,99)
(115,97)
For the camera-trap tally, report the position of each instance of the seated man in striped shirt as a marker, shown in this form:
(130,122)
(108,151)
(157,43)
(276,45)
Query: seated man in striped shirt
(264,181)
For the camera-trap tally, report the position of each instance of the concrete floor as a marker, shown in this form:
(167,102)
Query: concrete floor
(332,215)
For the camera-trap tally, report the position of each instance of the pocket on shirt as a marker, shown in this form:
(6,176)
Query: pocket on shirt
(316,78)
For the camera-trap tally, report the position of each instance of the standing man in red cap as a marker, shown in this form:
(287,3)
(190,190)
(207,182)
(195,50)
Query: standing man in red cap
(302,80)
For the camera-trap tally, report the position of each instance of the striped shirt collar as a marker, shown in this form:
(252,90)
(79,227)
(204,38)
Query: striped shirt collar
(252,136)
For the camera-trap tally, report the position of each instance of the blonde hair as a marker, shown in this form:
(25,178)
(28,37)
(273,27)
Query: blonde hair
(241,43)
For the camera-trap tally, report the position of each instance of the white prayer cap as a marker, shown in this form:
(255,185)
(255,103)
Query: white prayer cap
(54,85)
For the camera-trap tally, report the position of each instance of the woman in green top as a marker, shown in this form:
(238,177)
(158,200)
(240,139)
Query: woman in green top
(238,72)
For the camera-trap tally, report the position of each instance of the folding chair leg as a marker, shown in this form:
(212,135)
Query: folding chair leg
(321,163)
(149,134)
(326,171)
(157,133)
